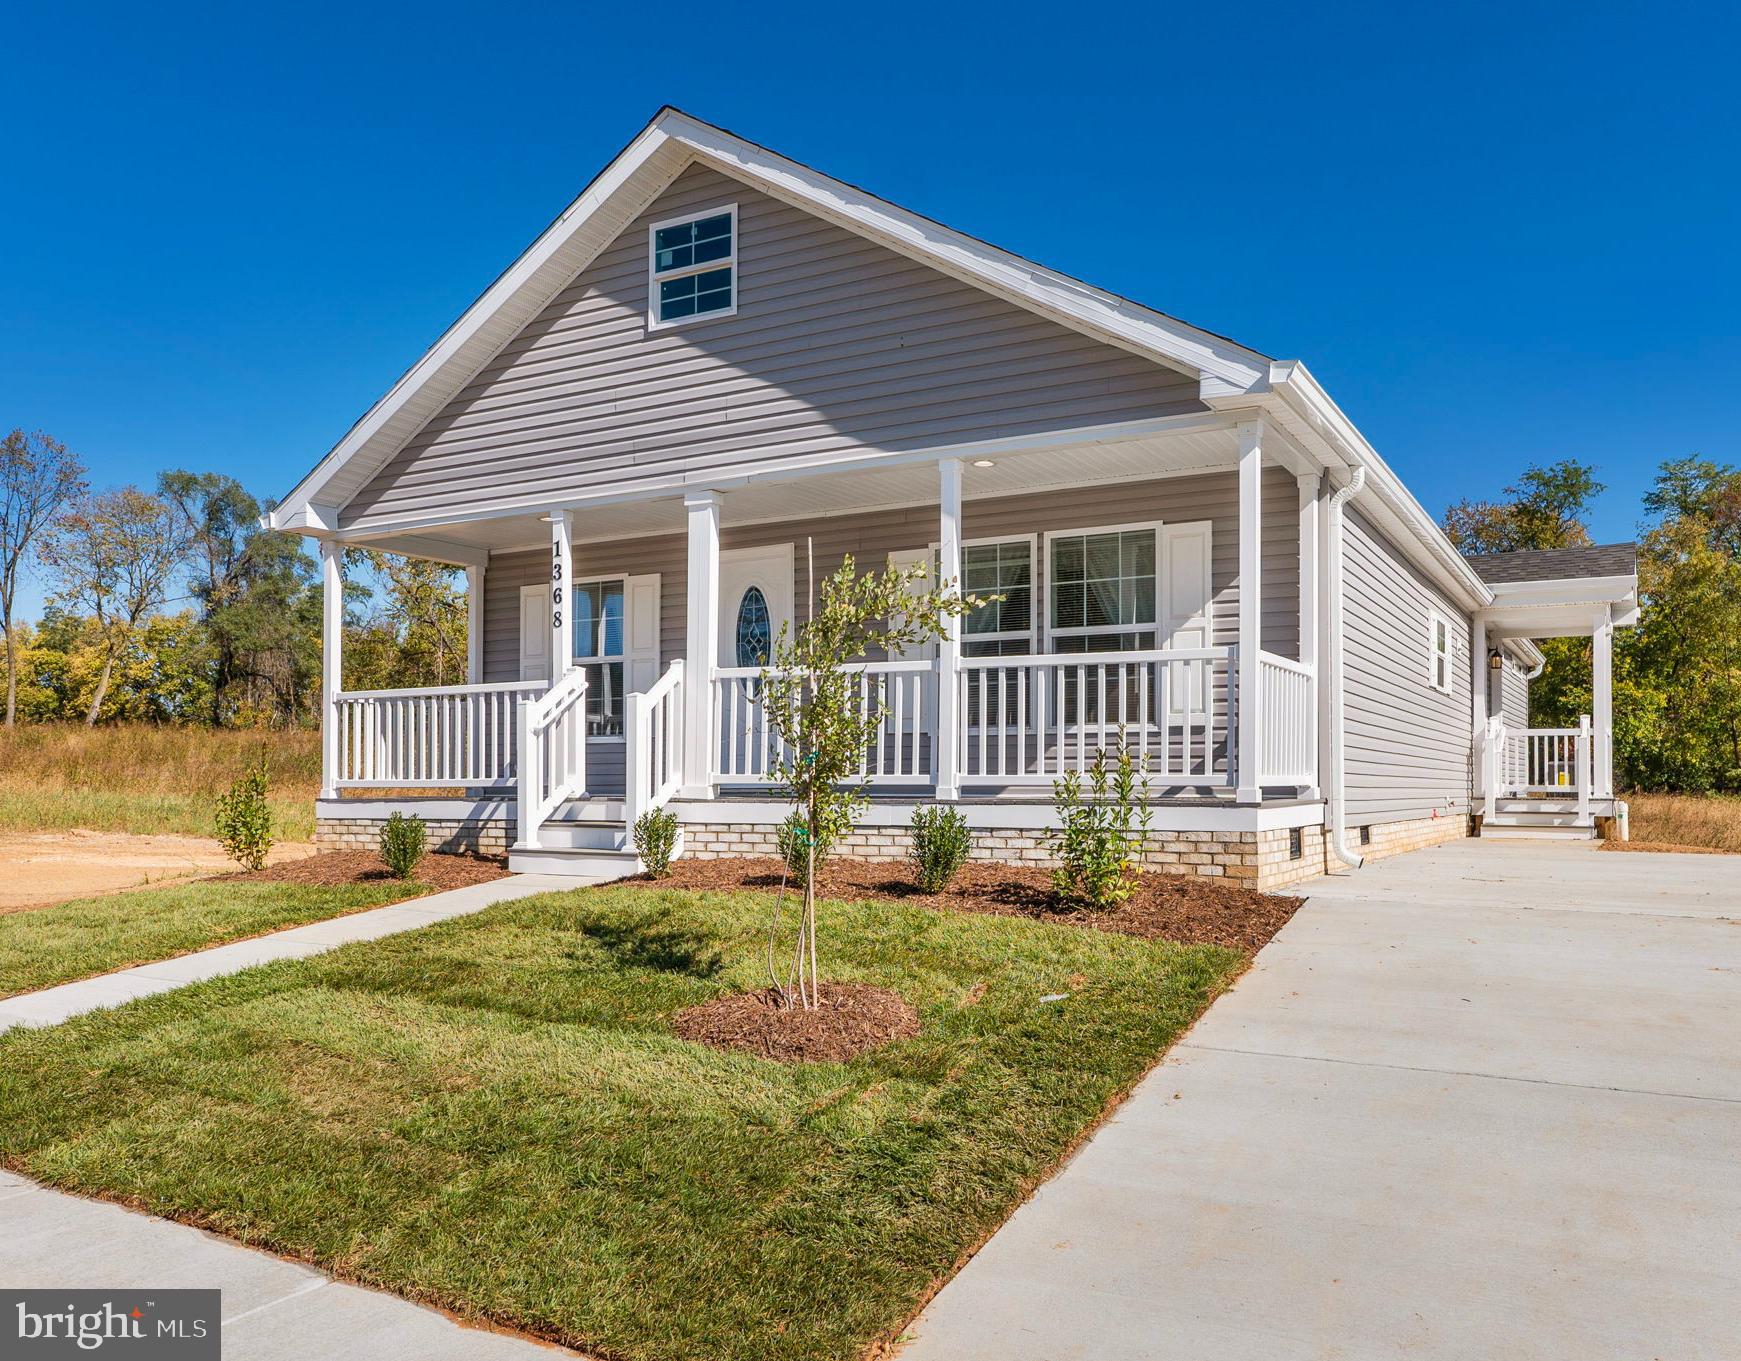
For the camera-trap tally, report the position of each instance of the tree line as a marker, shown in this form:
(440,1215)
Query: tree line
(1677,675)
(174,604)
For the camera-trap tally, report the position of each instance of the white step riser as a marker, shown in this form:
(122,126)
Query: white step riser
(1491,832)
(583,836)
(581,864)
(1534,820)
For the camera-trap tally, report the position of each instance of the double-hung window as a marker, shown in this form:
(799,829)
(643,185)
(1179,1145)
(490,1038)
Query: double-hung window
(1102,589)
(692,267)
(1439,652)
(598,646)
(1000,627)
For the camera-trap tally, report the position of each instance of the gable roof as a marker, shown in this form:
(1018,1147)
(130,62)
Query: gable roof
(1556,564)
(662,150)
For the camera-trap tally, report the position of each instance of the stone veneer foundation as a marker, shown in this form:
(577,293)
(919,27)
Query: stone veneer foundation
(1261,859)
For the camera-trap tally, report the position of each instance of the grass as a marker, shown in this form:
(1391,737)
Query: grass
(146,779)
(493,1115)
(1709,821)
(49,945)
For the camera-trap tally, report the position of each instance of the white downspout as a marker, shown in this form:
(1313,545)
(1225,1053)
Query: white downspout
(1333,653)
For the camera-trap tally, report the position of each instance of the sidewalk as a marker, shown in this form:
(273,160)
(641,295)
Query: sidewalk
(51,1006)
(274,1310)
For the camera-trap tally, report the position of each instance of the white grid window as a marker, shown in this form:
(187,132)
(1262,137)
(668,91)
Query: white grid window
(692,267)
(999,628)
(598,646)
(1102,588)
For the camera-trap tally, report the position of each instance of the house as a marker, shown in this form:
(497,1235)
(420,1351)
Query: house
(720,371)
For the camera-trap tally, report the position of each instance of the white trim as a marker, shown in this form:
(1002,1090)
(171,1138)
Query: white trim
(656,276)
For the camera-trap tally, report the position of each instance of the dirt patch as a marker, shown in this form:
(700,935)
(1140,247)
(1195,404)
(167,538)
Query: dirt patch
(1180,907)
(39,869)
(440,872)
(1665,846)
(850,1019)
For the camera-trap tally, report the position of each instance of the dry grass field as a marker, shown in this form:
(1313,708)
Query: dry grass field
(148,780)
(1708,822)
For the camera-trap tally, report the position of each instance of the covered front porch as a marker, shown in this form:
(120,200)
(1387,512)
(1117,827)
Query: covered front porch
(1158,595)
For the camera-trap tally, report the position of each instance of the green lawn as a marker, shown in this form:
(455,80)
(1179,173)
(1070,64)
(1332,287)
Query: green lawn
(492,1114)
(49,945)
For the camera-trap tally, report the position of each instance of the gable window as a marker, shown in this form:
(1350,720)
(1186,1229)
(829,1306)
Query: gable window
(1102,590)
(1439,652)
(692,266)
(598,646)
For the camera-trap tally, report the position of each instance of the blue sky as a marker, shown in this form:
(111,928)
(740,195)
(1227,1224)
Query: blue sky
(1497,234)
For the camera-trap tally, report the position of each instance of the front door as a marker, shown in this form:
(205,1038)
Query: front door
(755,599)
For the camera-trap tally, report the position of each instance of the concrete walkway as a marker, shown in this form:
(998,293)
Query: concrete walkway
(51,1006)
(1480,1101)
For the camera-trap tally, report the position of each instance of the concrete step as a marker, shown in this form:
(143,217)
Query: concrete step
(1533,819)
(1536,832)
(574,862)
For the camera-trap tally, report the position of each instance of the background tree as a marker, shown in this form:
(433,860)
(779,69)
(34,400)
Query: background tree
(1545,508)
(115,556)
(416,633)
(815,707)
(39,477)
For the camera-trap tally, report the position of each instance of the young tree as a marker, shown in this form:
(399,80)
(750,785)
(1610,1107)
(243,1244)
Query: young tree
(114,556)
(38,478)
(824,721)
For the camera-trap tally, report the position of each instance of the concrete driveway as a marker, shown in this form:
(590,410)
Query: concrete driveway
(1479,1101)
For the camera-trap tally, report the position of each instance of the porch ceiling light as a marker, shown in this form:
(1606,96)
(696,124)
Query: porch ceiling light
(984,463)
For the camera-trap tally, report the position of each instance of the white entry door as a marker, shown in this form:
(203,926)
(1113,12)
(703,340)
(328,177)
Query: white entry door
(755,598)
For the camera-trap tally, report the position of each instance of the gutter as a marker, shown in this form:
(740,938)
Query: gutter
(1333,656)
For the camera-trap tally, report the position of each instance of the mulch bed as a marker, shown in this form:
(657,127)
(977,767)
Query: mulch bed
(440,872)
(1179,907)
(850,1019)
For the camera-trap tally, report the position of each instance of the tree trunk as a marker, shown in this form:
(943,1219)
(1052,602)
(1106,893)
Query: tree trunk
(102,690)
(11,677)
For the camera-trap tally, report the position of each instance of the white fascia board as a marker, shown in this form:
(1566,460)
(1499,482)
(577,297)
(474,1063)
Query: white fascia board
(454,340)
(1081,306)
(1594,591)
(431,550)
(1318,418)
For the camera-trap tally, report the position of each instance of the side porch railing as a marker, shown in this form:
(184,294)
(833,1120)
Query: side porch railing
(1537,763)
(451,735)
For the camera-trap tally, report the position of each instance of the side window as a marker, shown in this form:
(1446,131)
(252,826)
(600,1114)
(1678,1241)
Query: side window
(1439,652)
(692,267)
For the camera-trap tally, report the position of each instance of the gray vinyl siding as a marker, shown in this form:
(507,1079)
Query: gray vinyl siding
(1508,695)
(838,345)
(1408,744)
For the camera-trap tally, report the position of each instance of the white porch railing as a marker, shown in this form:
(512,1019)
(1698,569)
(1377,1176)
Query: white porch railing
(1290,722)
(903,693)
(1026,720)
(1539,762)
(450,735)
(552,751)
(653,745)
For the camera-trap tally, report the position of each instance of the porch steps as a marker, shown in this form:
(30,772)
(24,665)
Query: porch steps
(591,848)
(1537,820)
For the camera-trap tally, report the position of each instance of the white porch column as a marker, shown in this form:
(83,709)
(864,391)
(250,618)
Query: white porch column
(1602,701)
(1310,589)
(1478,703)
(1250,708)
(561,586)
(332,634)
(474,625)
(702,575)
(949,645)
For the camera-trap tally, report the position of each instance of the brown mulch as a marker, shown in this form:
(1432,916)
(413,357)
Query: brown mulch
(851,1019)
(1177,907)
(440,872)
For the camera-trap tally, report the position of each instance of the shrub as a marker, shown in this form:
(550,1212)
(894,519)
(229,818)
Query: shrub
(793,838)
(244,818)
(403,841)
(655,840)
(940,845)
(1100,838)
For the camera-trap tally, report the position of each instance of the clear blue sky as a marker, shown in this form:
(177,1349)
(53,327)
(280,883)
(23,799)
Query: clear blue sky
(1497,234)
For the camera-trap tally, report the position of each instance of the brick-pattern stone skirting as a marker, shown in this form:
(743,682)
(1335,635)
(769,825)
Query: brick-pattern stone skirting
(480,837)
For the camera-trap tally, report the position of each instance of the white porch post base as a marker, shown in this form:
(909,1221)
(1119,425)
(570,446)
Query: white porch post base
(702,575)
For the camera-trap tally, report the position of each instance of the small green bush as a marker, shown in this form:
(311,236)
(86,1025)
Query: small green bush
(1100,838)
(793,838)
(244,818)
(403,841)
(655,840)
(940,845)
